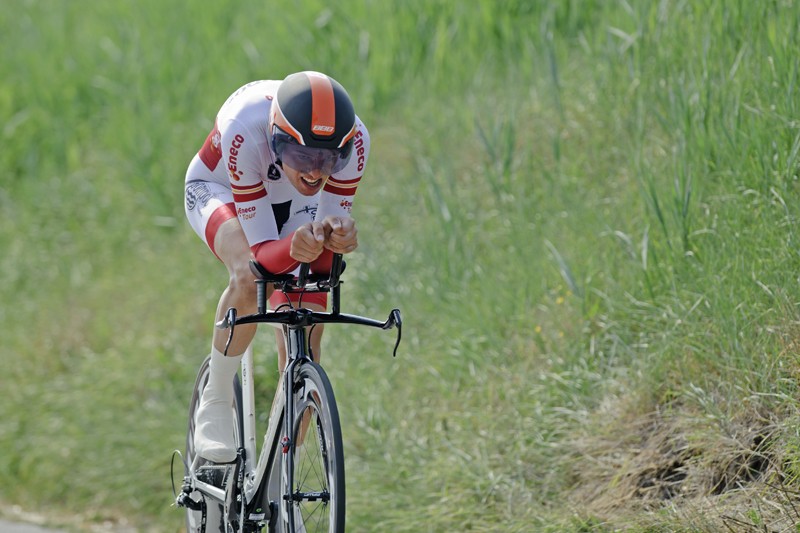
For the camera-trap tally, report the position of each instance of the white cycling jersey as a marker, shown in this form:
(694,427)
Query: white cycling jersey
(237,165)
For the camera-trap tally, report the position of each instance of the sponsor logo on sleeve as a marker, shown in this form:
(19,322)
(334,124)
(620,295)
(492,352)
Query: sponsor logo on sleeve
(246,213)
(359,146)
(233,157)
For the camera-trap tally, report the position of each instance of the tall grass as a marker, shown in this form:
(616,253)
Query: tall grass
(586,211)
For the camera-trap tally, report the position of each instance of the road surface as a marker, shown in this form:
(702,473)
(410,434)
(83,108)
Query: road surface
(15,527)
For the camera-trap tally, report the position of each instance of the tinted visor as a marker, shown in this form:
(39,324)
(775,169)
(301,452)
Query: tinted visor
(307,159)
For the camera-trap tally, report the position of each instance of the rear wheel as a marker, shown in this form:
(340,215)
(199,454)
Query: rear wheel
(205,470)
(317,492)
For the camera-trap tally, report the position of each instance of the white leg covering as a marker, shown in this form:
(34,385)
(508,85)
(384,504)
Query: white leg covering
(214,432)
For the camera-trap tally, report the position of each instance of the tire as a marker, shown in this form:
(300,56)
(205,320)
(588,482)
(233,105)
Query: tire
(317,457)
(215,516)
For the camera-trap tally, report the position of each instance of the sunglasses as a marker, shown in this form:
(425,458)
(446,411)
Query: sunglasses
(307,159)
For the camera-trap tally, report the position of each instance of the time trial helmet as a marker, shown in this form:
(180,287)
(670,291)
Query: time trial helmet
(312,123)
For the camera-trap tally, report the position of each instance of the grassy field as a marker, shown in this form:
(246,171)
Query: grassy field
(586,210)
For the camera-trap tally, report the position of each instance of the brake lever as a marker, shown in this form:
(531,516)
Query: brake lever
(229,322)
(395,320)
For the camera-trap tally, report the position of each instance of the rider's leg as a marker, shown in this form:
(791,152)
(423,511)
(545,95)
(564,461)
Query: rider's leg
(214,430)
(232,248)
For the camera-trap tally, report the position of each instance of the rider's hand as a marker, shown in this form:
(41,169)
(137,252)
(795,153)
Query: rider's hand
(308,242)
(341,234)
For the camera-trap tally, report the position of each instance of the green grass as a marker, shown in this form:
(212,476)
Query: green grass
(586,210)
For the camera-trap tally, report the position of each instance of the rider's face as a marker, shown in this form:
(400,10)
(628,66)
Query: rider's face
(306,183)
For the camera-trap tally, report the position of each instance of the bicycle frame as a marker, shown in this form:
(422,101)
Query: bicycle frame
(253,479)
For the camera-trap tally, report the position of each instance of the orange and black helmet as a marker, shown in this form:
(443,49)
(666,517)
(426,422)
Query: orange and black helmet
(313,110)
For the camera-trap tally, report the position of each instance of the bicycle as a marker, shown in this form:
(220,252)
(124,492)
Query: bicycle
(297,484)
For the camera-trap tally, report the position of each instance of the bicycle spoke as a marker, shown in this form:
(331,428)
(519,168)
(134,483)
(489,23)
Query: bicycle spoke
(311,486)
(318,473)
(319,511)
(314,467)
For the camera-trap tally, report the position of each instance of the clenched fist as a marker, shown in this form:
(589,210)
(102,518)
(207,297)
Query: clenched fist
(341,234)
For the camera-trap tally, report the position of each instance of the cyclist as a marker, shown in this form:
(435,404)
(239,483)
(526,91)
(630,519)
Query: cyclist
(274,180)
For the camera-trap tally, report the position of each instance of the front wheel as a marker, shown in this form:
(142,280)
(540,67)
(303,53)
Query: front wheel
(314,501)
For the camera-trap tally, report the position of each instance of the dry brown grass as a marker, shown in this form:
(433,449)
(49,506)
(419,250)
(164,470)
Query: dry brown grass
(679,469)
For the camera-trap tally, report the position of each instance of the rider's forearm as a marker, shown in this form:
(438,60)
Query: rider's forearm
(274,255)
(322,264)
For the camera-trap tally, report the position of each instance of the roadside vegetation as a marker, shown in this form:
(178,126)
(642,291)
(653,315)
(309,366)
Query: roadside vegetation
(586,210)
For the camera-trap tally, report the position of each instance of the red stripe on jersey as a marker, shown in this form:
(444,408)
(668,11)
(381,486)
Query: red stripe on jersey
(220,215)
(210,153)
(342,187)
(248,194)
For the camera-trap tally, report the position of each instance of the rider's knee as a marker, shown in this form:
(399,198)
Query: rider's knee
(241,284)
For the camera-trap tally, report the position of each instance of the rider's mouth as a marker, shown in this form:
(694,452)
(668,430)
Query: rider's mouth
(312,183)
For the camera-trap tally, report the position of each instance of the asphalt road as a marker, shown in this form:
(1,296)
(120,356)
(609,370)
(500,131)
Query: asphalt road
(15,527)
